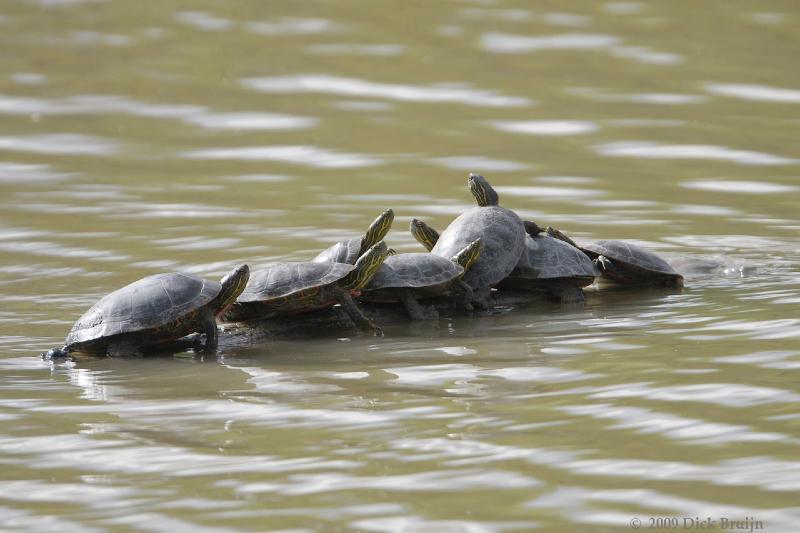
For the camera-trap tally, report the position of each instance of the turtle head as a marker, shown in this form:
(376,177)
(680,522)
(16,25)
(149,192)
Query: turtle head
(469,254)
(425,235)
(232,286)
(484,193)
(557,234)
(56,354)
(377,231)
(366,267)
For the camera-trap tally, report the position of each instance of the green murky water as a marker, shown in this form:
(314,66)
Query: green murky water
(137,138)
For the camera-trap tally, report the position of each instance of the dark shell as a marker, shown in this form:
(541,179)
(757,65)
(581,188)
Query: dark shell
(415,270)
(276,280)
(341,252)
(148,304)
(553,258)
(503,236)
(630,254)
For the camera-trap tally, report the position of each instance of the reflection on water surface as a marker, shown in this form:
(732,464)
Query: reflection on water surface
(137,141)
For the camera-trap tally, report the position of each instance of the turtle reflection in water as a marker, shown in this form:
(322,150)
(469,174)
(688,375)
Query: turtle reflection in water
(154,311)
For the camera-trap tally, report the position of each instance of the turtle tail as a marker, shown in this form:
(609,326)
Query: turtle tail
(558,234)
(365,268)
(232,286)
(377,231)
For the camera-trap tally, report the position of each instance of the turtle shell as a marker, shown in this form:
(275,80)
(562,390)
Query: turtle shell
(164,306)
(279,280)
(415,270)
(553,258)
(341,252)
(503,236)
(631,255)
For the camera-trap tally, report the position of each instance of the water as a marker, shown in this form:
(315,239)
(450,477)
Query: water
(135,141)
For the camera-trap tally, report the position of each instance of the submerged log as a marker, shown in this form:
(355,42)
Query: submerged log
(334,321)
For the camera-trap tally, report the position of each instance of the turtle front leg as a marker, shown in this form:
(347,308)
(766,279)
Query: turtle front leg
(354,312)
(210,329)
(415,310)
(464,294)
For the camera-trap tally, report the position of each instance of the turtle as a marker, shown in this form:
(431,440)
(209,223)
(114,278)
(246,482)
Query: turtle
(280,289)
(624,263)
(561,270)
(409,277)
(154,311)
(348,251)
(501,231)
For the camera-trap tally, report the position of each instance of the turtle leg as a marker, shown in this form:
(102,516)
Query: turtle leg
(210,329)
(356,315)
(480,298)
(464,294)
(415,310)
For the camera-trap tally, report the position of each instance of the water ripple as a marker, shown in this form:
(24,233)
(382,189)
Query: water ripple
(505,43)
(300,155)
(293,26)
(452,480)
(59,144)
(545,127)
(358,49)
(16,173)
(760,93)
(745,187)
(412,524)
(725,394)
(646,149)
(673,426)
(252,121)
(320,83)
(478,162)
(203,21)
(760,472)
(549,192)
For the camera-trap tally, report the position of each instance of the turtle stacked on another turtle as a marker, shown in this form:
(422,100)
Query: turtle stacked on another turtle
(280,289)
(546,265)
(500,230)
(154,311)
(408,277)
